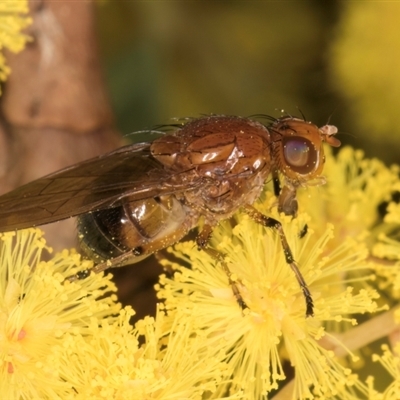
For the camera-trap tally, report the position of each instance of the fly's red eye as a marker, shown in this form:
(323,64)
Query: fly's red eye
(300,154)
(296,152)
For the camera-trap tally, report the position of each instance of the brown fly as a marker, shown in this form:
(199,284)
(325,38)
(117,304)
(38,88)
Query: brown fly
(144,197)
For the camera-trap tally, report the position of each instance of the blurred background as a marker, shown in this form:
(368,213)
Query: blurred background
(335,61)
(332,61)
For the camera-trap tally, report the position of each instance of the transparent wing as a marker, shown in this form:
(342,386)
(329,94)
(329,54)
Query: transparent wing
(95,184)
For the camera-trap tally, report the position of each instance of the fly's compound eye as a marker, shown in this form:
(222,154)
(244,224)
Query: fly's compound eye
(300,154)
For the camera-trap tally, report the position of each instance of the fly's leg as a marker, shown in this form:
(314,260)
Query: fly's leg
(276,183)
(273,223)
(288,203)
(80,275)
(202,241)
(115,262)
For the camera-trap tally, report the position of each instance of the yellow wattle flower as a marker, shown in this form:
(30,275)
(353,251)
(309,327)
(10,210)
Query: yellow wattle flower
(13,19)
(38,311)
(273,328)
(390,360)
(160,358)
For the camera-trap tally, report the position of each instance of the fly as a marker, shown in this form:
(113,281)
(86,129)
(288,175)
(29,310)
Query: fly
(144,197)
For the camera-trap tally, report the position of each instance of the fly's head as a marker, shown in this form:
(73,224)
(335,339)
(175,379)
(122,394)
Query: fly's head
(297,149)
(298,156)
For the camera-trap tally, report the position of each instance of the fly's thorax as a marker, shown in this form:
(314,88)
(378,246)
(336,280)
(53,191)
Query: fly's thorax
(140,227)
(214,146)
(227,159)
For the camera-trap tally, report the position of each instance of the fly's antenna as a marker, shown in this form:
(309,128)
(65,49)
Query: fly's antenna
(330,115)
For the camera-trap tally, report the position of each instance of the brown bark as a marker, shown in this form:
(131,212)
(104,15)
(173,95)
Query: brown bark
(55,110)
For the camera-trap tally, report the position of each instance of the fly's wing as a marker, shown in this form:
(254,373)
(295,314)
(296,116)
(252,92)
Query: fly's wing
(95,184)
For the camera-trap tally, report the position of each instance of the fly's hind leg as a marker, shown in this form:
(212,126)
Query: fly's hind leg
(115,262)
(273,223)
(202,241)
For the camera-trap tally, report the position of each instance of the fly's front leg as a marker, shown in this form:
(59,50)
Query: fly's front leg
(276,183)
(202,241)
(288,204)
(273,223)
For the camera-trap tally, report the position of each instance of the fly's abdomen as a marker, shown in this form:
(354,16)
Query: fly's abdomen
(139,227)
